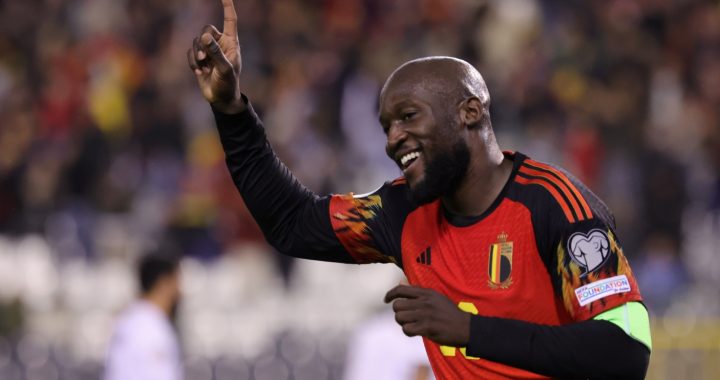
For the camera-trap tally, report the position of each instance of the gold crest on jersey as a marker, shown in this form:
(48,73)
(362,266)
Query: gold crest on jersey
(500,263)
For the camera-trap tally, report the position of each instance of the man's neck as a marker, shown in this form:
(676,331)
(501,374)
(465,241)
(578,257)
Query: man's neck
(158,301)
(483,183)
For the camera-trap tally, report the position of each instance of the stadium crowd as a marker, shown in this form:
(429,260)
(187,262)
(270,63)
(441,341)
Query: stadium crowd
(107,148)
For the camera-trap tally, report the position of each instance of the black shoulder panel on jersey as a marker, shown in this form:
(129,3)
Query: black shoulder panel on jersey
(599,209)
(556,199)
(541,205)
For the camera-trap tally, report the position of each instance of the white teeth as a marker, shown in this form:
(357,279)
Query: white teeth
(404,160)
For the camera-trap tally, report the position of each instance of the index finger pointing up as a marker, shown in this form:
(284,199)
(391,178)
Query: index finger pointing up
(230,17)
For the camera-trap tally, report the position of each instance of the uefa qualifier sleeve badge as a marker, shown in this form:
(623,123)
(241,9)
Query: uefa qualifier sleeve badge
(589,250)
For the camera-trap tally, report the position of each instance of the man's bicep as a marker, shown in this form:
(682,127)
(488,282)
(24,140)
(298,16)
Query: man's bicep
(369,227)
(357,224)
(345,228)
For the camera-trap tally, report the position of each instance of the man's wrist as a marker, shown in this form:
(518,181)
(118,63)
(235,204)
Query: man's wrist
(237,106)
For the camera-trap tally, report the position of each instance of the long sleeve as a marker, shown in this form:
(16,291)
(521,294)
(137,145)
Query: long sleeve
(293,219)
(341,228)
(590,349)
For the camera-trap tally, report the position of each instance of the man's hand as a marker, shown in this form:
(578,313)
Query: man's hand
(215,59)
(428,313)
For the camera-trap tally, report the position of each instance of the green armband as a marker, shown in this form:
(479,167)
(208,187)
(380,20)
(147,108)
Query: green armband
(633,318)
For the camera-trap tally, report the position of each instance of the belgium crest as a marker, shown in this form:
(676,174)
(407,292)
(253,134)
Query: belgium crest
(500,263)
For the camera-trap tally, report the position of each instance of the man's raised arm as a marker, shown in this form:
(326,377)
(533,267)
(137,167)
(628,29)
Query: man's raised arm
(293,219)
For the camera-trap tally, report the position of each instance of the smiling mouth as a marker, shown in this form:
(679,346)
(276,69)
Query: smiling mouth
(408,159)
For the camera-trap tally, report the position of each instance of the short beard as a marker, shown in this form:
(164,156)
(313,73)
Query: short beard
(443,174)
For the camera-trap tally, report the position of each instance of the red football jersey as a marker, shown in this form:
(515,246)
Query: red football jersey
(544,252)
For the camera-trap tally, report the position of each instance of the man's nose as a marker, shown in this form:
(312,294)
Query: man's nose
(395,137)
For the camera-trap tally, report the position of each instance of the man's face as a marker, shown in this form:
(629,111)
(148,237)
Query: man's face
(424,139)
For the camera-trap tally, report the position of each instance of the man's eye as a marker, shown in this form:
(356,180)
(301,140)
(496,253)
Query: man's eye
(408,115)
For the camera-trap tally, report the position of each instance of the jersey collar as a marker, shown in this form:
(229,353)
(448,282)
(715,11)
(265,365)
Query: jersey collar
(465,220)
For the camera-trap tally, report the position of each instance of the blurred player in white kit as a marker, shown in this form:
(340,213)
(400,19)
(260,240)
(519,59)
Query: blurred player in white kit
(144,345)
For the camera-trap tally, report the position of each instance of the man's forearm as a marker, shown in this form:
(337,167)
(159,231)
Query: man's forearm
(584,350)
(275,198)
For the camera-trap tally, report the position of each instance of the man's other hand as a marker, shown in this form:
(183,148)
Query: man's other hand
(428,313)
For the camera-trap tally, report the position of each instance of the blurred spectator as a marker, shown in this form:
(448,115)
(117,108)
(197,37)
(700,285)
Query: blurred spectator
(145,345)
(379,350)
(661,272)
(11,318)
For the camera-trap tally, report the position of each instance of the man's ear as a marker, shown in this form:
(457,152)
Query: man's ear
(471,112)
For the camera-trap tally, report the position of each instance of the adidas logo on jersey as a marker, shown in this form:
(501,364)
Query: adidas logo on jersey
(424,257)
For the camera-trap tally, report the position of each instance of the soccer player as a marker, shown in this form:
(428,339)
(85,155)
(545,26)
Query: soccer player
(514,266)
(144,345)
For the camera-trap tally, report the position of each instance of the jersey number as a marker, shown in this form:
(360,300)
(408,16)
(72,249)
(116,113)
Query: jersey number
(451,351)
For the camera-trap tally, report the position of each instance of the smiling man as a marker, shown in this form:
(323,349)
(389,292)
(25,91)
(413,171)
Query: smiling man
(425,107)
(515,270)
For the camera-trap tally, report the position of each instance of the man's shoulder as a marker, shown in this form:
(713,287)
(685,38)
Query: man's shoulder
(142,320)
(397,186)
(553,191)
(393,194)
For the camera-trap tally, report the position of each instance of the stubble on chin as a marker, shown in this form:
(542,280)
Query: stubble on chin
(443,174)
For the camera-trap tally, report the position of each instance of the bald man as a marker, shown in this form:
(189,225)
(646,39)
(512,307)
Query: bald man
(515,270)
